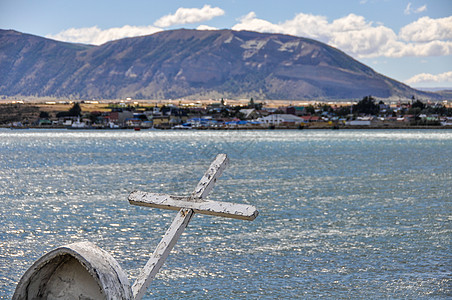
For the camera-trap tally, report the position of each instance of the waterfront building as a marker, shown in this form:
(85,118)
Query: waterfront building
(278,119)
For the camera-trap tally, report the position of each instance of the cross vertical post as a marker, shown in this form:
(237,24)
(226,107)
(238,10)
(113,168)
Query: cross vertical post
(162,251)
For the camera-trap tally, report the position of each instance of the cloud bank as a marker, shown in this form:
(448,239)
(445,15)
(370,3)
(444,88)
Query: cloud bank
(189,16)
(426,29)
(352,34)
(430,78)
(96,36)
(361,38)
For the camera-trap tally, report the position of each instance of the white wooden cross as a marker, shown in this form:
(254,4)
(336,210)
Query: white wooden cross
(187,206)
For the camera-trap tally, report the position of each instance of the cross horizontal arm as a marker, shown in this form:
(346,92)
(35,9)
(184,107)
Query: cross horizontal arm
(206,207)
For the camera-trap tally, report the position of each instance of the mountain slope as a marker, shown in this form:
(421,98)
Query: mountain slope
(189,63)
(32,65)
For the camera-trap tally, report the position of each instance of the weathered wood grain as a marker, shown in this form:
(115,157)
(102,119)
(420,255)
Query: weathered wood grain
(187,206)
(206,207)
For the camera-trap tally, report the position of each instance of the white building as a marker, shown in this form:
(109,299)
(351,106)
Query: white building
(277,119)
(359,123)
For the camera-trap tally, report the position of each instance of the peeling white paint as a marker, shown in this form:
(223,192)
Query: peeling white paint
(187,206)
(214,208)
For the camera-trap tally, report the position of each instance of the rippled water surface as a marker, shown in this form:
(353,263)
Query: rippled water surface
(343,214)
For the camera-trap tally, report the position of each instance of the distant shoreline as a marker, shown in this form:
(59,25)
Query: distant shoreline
(100,116)
(345,127)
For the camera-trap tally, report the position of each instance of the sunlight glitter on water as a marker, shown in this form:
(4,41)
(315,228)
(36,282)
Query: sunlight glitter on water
(359,214)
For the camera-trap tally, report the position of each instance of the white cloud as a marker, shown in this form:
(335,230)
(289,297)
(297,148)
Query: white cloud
(421,9)
(427,29)
(368,42)
(351,33)
(308,25)
(302,25)
(409,10)
(434,48)
(429,78)
(354,35)
(96,36)
(250,22)
(189,16)
(361,38)
(206,27)
(351,22)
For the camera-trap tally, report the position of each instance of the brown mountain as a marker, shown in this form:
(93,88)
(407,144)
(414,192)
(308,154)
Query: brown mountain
(189,63)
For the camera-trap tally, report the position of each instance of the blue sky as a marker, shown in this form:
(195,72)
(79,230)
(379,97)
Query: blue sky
(408,40)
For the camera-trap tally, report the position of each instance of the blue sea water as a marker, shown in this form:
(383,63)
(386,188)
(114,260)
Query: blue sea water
(343,214)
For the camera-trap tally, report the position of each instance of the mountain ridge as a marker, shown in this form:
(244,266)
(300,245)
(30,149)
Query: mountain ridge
(188,63)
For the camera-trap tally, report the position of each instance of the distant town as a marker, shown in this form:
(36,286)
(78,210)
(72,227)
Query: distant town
(224,114)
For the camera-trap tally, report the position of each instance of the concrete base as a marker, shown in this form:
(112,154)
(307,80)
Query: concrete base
(75,271)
